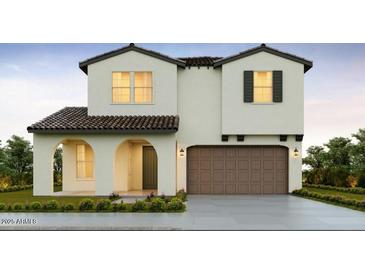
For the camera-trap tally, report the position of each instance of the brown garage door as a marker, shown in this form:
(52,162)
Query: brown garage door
(237,170)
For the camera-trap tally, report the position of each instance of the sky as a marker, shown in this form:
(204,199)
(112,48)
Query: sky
(39,79)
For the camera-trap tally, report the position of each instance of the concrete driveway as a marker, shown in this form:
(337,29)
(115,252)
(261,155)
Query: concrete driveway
(284,212)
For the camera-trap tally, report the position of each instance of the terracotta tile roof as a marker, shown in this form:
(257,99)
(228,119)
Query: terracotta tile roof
(76,120)
(203,61)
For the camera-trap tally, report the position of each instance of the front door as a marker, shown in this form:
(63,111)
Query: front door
(149,168)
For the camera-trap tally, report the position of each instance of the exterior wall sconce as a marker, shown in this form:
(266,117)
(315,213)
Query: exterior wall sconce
(296,153)
(182,152)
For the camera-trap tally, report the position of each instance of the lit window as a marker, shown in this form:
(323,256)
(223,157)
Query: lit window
(121,87)
(143,87)
(262,87)
(84,162)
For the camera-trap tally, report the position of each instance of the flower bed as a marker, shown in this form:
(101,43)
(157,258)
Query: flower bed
(355,190)
(15,188)
(333,199)
(150,204)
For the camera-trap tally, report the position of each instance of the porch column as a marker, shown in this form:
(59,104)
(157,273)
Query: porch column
(42,165)
(104,167)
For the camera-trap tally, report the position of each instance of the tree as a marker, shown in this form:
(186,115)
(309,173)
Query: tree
(358,152)
(2,162)
(339,152)
(316,160)
(57,166)
(19,160)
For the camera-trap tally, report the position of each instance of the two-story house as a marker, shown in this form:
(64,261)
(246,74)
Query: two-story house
(209,125)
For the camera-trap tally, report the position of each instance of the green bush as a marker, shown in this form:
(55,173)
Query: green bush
(69,207)
(52,205)
(139,206)
(361,181)
(119,206)
(175,204)
(36,206)
(157,205)
(355,190)
(86,204)
(17,206)
(182,195)
(103,205)
(2,206)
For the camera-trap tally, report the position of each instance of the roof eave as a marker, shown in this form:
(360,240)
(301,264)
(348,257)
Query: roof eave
(307,64)
(84,64)
(101,131)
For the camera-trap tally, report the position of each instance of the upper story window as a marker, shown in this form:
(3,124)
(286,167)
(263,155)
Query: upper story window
(121,87)
(132,88)
(84,161)
(263,91)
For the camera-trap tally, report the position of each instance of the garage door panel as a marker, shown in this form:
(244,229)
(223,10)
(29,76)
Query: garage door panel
(218,164)
(205,164)
(243,189)
(237,170)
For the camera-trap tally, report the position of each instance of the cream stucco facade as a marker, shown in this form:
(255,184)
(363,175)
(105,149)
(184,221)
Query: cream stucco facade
(209,102)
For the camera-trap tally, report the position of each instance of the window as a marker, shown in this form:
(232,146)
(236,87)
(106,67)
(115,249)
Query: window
(84,162)
(262,87)
(121,87)
(143,87)
(132,87)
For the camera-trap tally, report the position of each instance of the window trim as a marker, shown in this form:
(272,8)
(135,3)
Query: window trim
(272,89)
(132,89)
(76,162)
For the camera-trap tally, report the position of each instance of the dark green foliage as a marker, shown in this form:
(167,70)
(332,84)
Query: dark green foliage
(69,207)
(355,190)
(17,206)
(57,166)
(361,181)
(139,206)
(36,206)
(86,204)
(103,205)
(175,204)
(157,205)
(52,205)
(182,195)
(18,160)
(2,206)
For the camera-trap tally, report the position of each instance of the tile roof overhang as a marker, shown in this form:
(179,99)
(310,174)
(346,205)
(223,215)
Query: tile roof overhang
(77,120)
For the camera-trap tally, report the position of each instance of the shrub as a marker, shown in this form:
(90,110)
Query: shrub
(52,205)
(17,206)
(158,205)
(9,208)
(114,196)
(175,204)
(27,206)
(362,203)
(361,181)
(69,207)
(150,197)
(139,206)
(103,205)
(35,206)
(86,204)
(118,206)
(2,206)
(182,195)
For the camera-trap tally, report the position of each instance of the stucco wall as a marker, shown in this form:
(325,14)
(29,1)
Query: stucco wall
(250,118)
(105,148)
(100,85)
(200,110)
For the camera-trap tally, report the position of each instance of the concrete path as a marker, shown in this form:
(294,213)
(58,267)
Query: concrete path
(284,212)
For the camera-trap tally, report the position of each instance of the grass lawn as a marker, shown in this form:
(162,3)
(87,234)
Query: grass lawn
(26,196)
(347,195)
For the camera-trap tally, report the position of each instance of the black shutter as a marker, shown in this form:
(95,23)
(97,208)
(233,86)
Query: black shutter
(277,86)
(248,86)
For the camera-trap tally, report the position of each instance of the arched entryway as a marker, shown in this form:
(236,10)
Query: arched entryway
(135,168)
(73,168)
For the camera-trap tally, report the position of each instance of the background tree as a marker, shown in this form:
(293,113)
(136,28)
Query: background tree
(2,161)
(315,160)
(19,160)
(358,157)
(57,166)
